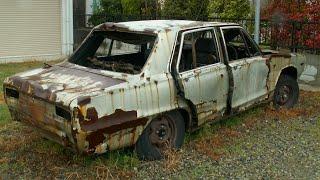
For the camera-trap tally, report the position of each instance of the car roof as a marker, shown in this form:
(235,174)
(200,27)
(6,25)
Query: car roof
(155,26)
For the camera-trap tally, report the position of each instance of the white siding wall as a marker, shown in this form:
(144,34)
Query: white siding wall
(30,28)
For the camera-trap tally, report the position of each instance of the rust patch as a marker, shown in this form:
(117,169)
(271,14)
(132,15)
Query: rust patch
(97,137)
(284,55)
(110,124)
(92,114)
(268,76)
(43,86)
(122,28)
(94,140)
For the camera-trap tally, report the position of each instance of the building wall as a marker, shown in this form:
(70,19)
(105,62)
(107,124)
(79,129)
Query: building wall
(34,29)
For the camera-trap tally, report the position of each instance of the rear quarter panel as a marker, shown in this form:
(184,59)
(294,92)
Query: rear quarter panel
(118,116)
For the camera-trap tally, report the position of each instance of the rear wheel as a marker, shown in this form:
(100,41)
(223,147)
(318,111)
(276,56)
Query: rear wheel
(286,92)
(165,131)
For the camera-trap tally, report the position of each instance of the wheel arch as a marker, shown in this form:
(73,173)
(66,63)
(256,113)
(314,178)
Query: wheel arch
(186,114)
(289,71)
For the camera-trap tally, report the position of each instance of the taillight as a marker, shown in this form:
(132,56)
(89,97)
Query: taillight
(63,113)
(12,93)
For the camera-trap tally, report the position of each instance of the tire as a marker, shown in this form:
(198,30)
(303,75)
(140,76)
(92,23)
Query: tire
(165,131)
(286,93)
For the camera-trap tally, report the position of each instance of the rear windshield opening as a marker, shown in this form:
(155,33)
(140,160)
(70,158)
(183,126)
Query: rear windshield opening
(115,51)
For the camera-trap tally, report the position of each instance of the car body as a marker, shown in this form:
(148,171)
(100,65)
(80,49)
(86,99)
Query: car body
(96,102)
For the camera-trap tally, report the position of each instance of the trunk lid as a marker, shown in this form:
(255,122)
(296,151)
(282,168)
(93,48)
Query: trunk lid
(61,83)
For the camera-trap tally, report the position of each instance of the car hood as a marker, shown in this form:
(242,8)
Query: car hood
(61,83)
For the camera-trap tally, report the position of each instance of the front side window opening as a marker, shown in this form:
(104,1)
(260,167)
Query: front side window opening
(122,52)
(239,46)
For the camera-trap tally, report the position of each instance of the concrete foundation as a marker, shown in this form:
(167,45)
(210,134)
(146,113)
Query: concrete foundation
(311,73)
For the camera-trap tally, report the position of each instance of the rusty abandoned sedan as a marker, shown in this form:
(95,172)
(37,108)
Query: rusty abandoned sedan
(146,83)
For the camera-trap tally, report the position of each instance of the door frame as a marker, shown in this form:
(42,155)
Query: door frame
(181,47)
(243,32)
(178,76)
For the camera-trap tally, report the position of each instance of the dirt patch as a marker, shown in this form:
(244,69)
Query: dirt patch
(11,142)
(213,145)
(1,99)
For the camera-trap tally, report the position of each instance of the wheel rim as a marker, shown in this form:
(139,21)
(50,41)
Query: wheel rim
(284,95)
(162,132)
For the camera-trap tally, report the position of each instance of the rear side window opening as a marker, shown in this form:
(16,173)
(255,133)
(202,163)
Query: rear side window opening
(122,52)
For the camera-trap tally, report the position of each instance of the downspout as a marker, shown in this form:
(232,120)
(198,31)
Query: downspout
(67,27)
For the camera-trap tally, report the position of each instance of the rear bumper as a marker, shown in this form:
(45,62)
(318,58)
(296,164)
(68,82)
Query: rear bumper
(41,116)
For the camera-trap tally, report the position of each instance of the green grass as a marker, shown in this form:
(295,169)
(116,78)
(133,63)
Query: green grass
(123,159)
(4,115)
(7,70)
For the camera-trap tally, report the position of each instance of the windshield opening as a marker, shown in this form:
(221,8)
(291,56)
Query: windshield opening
(115,51)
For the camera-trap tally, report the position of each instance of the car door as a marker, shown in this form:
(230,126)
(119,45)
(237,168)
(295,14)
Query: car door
(249,69)
(202,75)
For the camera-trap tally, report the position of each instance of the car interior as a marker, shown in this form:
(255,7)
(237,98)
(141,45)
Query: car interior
(115,51)
(205,51)
(238,45)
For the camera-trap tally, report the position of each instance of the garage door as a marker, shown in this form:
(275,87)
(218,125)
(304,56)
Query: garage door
(30,28)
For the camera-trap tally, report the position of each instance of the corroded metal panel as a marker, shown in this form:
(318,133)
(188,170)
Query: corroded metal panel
(124,109)
(41,115)
(207,89)
(250,81)
(94,111)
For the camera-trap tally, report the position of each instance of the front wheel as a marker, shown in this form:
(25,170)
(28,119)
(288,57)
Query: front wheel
(165,131)
(286,93)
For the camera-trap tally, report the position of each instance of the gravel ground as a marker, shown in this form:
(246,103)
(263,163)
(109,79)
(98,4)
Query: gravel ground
(274,149)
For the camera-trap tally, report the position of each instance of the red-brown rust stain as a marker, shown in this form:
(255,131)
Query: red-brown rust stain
(110,124)
(92,115)
(118,117)
(122,28)
(94,140)
(284,55)
(34,113)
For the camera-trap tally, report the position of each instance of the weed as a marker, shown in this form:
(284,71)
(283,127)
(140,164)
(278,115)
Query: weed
(172,160)
(73,175)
